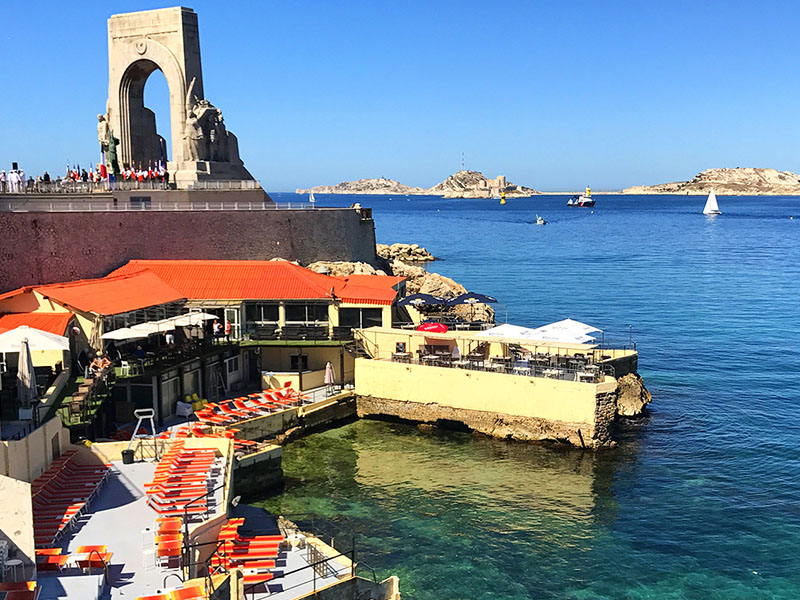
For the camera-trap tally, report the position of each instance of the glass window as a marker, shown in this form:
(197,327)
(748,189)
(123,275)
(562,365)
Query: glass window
(306,313)
(360,317)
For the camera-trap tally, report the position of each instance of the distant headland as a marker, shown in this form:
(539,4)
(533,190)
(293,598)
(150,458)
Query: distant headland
(741,181)
(462,184)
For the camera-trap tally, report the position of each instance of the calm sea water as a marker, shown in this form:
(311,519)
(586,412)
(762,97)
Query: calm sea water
(700,500)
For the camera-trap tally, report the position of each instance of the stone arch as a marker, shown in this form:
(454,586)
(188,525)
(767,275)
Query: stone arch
(131,121)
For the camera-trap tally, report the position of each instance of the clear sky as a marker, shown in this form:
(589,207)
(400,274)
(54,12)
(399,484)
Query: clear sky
(555,95)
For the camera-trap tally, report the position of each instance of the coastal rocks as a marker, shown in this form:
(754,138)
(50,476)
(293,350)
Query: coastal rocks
(632,395)
(380,186)
(487,422)
(404,252)
(742,181)
(343,269)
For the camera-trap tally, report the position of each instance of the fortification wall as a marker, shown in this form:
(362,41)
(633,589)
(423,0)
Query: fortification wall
(46,247)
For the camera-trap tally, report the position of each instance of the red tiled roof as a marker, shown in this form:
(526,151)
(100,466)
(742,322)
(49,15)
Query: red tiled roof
(50,322)
(262,280)
(112,295)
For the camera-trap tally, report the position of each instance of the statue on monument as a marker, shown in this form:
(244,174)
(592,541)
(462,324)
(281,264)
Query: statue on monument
(102,132)
(108,144)
(193,136)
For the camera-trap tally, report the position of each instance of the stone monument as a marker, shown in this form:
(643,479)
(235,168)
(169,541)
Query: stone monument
(168,40)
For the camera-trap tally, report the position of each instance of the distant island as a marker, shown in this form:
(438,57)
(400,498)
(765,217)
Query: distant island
(741,181)
(463,184)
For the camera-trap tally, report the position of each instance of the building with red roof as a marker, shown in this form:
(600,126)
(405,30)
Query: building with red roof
(261,295)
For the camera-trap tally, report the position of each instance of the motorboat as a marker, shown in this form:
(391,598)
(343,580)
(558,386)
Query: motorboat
(711,207)
(540,220)
(582,200)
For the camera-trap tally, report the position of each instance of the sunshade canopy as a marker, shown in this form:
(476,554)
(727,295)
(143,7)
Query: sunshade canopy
(10,341)
(169,324)
(125,333)
(422,300)
(566,330)
(472,298)
(433,327)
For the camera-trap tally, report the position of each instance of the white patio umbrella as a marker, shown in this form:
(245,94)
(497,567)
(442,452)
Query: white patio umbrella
(567,330)
(125,333)
(26,376)
(11,340)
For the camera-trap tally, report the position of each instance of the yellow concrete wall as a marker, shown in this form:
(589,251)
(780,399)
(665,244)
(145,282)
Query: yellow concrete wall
(551,399)
(311,380)
(28,458)
(278,358)
(16,521)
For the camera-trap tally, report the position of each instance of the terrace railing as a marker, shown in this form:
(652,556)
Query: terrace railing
(588,373)
(144,204)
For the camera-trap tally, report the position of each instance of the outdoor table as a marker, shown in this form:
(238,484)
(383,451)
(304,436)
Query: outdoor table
(402,357)
(429,358)
(522,371)
(552,373)
(584,376)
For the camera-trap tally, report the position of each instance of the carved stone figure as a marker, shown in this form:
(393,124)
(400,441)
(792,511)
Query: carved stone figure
(193,137)
(102,132)
(221,139)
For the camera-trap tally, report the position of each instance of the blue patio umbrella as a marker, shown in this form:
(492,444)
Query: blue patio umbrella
(471,298)
(417,300)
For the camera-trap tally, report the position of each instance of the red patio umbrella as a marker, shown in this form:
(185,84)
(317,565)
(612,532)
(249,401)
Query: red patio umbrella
(433,327)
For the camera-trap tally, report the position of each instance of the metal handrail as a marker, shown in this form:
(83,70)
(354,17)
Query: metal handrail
(313,566)
(109,205)
(561,373)
(102,560)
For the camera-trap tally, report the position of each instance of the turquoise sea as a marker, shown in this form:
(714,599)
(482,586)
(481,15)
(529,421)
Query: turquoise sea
(700,500)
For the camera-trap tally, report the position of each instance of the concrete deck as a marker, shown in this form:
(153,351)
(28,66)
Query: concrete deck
(117,518)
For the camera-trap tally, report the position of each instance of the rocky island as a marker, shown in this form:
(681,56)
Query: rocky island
(380,186)
(741,181)
(462,184)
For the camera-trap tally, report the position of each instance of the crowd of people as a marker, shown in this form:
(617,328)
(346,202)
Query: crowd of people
(14,182)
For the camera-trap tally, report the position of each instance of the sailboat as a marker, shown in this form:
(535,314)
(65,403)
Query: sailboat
(711,207)
(311,199)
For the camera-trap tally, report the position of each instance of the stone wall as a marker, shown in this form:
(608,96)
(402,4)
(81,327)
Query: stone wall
(46,247)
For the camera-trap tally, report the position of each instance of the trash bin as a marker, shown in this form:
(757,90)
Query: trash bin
(127,457)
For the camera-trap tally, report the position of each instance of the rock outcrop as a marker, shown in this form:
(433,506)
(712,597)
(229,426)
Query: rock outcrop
(343,269)
(632,396)
(381,186)
(473,184)
(462,184)
(404,252)
(729,182)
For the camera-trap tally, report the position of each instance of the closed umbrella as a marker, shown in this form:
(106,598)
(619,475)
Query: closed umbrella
(26,376)
(330,376)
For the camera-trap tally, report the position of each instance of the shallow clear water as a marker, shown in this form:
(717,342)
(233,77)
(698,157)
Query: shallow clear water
(701,500)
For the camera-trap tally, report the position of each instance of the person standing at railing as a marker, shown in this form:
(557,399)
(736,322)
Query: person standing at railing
(2,182)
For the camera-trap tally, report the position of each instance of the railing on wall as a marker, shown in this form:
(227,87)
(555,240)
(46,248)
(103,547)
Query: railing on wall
(144,204)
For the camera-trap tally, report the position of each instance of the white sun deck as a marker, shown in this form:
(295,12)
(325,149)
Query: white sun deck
(118,518)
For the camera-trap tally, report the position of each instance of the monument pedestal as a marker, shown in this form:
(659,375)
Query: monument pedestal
(186,173)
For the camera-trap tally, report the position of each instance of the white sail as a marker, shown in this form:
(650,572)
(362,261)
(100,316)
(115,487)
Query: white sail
(311,198)
(711,207)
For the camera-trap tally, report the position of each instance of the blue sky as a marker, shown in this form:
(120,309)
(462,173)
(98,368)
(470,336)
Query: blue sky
(555,95)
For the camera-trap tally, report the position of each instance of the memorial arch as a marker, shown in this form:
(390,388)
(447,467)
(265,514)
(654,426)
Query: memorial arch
(167,40)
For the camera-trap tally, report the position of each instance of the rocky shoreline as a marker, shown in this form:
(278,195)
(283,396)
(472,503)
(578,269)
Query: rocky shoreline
(404,252)
(743,181)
